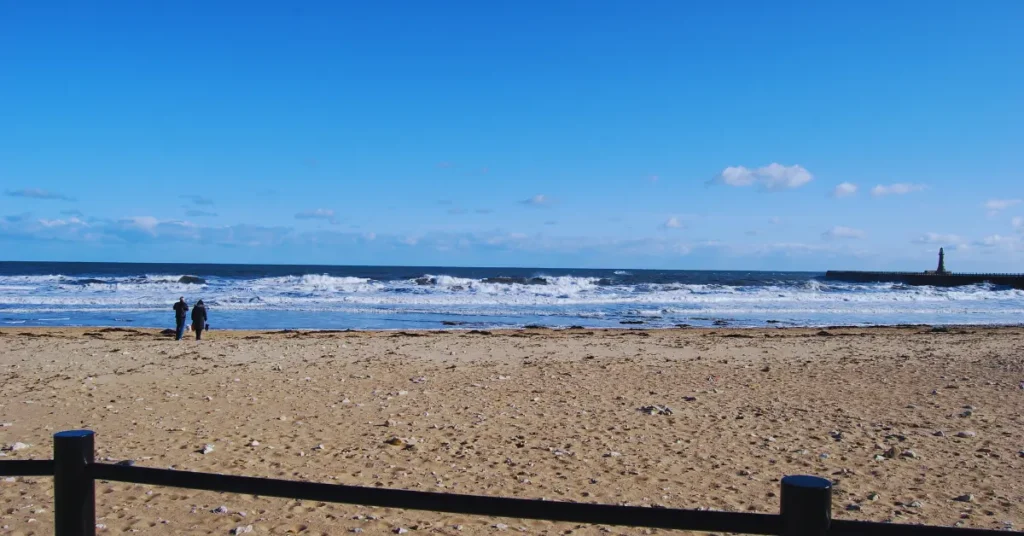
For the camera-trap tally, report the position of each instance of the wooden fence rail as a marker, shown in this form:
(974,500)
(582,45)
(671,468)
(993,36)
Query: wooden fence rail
(806,501)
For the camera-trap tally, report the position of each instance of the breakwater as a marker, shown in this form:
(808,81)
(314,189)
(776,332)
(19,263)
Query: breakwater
(927,279)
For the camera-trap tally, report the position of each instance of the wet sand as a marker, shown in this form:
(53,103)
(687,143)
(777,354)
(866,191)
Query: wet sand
(533,414)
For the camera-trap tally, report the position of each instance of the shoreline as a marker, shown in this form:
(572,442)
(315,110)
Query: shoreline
(930,328)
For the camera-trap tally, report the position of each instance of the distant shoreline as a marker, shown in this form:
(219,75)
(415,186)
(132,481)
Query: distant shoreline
(504,331)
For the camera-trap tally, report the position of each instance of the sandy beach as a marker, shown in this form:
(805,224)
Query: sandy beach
(913,425)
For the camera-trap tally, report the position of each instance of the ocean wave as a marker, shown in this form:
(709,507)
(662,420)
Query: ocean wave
(598,297)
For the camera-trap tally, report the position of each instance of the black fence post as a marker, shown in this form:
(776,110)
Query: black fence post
(806,505)
(74,492)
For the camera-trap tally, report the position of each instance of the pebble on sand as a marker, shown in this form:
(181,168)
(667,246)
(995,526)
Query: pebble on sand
(242,530)
(967,497)
(14,447)
(207,448)
(966,434)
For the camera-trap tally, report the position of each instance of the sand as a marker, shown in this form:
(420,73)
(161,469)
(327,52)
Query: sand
(533,414)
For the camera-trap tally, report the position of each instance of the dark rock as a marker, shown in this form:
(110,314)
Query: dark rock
(633,322)
(191,280)
(823,333)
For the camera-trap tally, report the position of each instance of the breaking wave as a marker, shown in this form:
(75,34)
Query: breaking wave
(386,298)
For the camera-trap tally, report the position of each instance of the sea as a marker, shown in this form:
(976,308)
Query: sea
(405,298)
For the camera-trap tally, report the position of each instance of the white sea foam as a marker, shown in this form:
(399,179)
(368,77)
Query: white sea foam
(808,302)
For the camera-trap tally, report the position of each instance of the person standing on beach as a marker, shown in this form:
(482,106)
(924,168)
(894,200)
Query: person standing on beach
(199,319)
(180,311)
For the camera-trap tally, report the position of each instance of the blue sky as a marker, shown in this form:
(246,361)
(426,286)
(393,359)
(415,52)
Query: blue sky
(738,135)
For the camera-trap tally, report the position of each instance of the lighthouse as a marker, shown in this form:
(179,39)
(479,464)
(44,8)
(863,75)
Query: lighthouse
(942,262)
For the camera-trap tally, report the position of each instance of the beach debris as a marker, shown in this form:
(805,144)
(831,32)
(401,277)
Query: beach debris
(879,458)
(319,447)
(915,504)
(418,379)
(656,410)
(500,526)
(744,472)
(853,507)
(220,510)
(939,433)
(14,447)
(356,530)
(836,434)
(6,425)
(254,443)
(396,441)
(400,530)
(242,530)
(612,454)
(689,399)
(966,413)
(823,456)
(872,496)
(1020,453)
(207,448)
(967,497)
(966,434)
(909,454)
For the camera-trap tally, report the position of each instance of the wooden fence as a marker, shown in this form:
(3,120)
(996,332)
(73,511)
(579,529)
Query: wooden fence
(806,501)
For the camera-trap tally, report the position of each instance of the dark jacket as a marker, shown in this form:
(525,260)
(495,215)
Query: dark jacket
(199,316)
(180,310)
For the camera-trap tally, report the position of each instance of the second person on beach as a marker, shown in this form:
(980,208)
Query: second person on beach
(199,319)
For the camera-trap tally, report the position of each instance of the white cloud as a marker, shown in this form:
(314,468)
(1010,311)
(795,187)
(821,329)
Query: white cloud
(994,206)
(939,239)
(844,189)
(1007,243)
(318,214)
(775,220)
(538,200)
(1018,223)
(840,232)
(672,223)
(773,177)
(899,188)
(146,223)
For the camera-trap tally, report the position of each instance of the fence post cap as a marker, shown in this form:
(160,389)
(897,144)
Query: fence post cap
(807,481)
(74,434)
